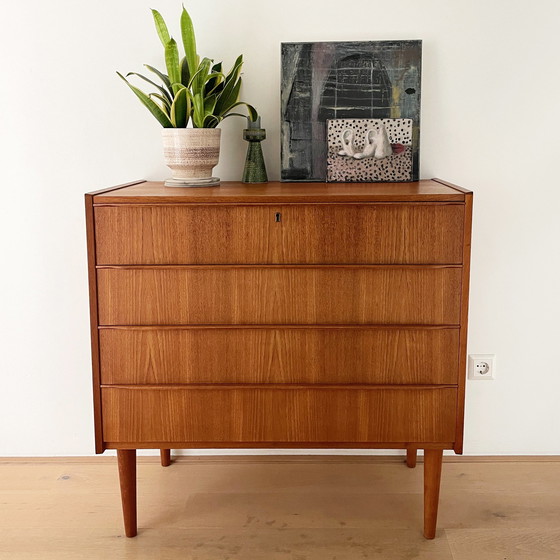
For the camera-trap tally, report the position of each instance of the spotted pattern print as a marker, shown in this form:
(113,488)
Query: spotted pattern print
(394,168)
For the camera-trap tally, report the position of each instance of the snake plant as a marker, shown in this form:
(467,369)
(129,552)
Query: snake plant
(192,89)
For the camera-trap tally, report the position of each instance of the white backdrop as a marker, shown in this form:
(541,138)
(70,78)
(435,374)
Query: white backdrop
(490,120)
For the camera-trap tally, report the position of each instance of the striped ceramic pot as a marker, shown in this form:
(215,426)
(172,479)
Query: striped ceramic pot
(191,153)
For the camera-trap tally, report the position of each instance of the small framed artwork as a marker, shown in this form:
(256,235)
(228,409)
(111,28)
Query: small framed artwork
(369,150)
(330,81)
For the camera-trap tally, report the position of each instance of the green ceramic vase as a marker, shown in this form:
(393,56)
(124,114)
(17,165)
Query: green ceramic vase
(255,168)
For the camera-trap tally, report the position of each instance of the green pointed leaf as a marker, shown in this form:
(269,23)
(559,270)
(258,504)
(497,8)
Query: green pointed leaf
(161,28)
(180,112)
(234,115)
(199,79)
(211,121)
(189,106)
(151,105)
(185,72)
(164,101)
(253,114)
(215,79)
(193,78)
(209,104)
(162,90)
(163,77)
(215,76)
(189,41)
(228,97)
(233,74)
(218,88)
(190,96)
(172,64)
(231,78)
(198,111)
(212,83)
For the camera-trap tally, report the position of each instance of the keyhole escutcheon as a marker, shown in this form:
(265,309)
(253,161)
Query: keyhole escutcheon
(278,217)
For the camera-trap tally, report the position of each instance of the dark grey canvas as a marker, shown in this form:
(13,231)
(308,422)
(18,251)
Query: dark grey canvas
(341,80)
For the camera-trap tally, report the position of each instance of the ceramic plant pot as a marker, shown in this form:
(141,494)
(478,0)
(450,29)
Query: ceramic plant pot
(191,154)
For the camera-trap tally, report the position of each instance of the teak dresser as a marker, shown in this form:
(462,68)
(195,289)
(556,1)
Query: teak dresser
(282,315)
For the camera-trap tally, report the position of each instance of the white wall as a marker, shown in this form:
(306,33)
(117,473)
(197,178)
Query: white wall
(490,121)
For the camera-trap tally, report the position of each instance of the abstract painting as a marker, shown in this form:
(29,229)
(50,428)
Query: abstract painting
(369,150)
(344,80)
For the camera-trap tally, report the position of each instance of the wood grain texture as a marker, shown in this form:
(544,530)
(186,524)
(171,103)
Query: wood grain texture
(279,355)
(274,191)
(93,311)
(94,321)
(165,456)
(281,315)
(241,414)
(346,506)
(499,544)
(452,185)
(465,282)
(432,477)
(260,542)
(111,189)
(298,295)
(305,234)
(411,456)
(127,477)
(277,445)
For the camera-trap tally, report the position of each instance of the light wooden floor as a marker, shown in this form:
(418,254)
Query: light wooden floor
(274,508)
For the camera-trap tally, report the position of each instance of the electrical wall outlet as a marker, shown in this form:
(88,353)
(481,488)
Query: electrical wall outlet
(482,366)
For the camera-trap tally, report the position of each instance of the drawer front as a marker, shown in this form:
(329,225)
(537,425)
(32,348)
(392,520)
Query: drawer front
(283,355)
(269,295)
(132,414)
(301,234)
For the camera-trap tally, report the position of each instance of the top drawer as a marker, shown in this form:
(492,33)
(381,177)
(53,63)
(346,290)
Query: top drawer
(393,233)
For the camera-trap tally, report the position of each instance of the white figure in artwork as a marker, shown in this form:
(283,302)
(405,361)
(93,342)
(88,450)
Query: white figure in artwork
(347,142)
(376,145)
(369,146)
(383,146)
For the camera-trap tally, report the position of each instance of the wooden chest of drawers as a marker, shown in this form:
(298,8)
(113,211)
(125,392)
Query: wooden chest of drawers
(281,315)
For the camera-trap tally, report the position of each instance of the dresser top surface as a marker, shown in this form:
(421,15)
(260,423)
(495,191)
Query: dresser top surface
(150,192)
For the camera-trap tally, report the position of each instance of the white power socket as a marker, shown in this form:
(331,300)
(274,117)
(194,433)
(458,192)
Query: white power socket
(482,366)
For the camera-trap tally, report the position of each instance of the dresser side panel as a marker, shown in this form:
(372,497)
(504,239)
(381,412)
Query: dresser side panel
(465,282)
(95,356)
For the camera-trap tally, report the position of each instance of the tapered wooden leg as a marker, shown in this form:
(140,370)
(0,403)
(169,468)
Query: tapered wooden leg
(411,457)
(165,457)
(432,477)
(127,475)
